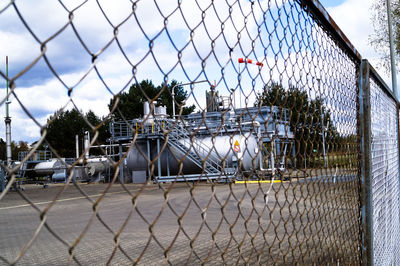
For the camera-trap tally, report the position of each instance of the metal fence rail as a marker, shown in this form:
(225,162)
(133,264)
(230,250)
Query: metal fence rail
(235,132)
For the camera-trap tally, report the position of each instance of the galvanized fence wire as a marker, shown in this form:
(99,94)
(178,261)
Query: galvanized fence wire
(265,170)
(385,172)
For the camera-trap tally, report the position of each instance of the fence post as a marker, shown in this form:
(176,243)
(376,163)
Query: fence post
(366,174)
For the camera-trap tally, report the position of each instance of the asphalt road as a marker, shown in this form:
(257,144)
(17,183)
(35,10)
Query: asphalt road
(280,223)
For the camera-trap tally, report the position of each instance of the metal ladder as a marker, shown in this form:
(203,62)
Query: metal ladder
(179,138)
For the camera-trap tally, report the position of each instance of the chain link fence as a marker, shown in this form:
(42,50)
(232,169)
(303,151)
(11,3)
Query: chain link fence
(384,161)
(192,132)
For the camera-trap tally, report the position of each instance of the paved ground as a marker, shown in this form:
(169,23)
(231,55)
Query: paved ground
(302,222)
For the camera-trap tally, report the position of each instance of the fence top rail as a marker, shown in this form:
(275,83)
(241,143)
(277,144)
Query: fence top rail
(319,13)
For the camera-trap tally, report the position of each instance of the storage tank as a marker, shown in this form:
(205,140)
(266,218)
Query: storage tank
(221,148)
(48,168)
(59,175)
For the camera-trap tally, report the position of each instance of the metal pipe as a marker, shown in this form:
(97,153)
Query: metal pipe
(392,54)
(121,165)
(168,170)
(366,164)
(87,143)
(173,102)
(77,146)
(8,140)
(159,159)
(7,121)
(239,78)
(173,93)
(273,155)
(7,114)
(148,159)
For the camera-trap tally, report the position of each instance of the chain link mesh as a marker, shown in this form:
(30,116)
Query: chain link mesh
(247,153)
(385,172)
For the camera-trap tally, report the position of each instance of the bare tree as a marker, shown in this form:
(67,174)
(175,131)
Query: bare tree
(380,39)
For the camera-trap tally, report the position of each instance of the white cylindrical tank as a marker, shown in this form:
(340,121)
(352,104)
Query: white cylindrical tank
(146,109)
(221,148)
(48,167)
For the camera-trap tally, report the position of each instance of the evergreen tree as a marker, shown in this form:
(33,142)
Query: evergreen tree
(62,130)
(304,118)
(15,149)
(131,103)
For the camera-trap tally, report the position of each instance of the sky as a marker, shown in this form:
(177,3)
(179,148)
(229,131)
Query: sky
(87,59)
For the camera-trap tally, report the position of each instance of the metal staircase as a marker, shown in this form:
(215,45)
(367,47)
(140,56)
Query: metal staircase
(179,138)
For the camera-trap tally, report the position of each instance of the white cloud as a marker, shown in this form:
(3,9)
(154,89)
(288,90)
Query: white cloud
(72,62)
(354,18)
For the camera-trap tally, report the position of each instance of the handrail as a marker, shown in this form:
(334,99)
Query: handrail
(179,132)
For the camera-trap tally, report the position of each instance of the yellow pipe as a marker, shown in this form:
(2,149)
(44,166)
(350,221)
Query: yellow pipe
(257,181)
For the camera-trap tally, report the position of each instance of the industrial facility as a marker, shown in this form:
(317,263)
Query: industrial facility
(221,143)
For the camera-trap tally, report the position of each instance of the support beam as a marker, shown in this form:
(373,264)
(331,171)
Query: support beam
(121,165)
(168,170)
(159,158)
(148,159)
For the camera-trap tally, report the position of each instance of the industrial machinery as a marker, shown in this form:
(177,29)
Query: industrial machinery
(97,168)
(42,168)
(221,143)
(53,168)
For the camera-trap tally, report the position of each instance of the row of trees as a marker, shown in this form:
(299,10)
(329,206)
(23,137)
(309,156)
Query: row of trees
(15,149)
(64,126)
